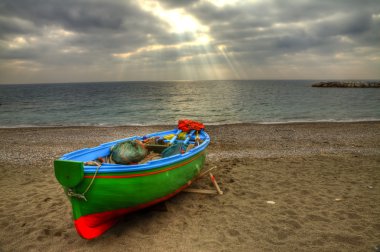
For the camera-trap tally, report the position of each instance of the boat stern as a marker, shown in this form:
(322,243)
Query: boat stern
(68,173)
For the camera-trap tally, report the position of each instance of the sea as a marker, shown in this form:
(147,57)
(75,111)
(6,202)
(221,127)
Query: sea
(165,102)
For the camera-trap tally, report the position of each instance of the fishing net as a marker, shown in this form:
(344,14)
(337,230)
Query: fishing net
(177,148)
(128,152)
(187,125)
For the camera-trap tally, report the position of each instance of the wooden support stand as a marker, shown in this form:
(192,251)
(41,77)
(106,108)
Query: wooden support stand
(215,183)
(203,191)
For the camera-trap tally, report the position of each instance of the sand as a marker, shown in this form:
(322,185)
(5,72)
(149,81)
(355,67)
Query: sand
(323,178)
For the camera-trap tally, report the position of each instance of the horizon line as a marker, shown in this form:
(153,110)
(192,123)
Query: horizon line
(110,81)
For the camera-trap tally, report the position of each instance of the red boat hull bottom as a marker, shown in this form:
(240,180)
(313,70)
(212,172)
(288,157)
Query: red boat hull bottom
(93,225)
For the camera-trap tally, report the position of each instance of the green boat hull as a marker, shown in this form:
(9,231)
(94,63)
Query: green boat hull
(101,198)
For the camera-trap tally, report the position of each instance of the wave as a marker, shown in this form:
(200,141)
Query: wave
(149,104)
(152,124)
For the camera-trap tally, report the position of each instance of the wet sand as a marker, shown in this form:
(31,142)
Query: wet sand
(324,180)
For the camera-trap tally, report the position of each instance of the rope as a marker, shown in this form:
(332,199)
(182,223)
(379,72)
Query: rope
(82,196)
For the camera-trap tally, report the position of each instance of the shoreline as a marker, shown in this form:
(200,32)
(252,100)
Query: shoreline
(174,125)
(323,177)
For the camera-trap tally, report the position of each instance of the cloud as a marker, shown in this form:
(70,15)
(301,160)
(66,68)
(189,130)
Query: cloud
(271,30)
(178,3)
(171,39)
(73,15)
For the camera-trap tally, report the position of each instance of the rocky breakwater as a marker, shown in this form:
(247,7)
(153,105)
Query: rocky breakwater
(348,84)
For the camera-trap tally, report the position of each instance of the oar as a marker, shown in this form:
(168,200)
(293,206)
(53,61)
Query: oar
(177,148)
(175,137)
(186,140)
(189,136)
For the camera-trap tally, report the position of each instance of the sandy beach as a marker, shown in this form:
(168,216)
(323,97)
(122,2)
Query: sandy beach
(323,180)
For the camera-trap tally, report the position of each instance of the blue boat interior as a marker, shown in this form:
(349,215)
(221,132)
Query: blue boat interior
(88,154)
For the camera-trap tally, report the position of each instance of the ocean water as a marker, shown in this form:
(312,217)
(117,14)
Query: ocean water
(212,102)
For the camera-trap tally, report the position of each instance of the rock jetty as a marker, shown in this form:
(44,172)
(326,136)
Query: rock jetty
(348,84)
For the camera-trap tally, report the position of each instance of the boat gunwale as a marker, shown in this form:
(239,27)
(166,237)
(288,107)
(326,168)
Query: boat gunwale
(149,172)
(154,164)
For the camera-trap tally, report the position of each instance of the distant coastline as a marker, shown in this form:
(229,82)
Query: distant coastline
(348,84)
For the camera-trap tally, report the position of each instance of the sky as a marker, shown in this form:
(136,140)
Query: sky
(55,41)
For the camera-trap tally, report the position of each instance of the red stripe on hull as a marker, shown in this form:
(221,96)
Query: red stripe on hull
(93,225)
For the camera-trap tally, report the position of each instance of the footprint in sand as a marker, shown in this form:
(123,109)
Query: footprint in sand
(233,232)
(312,217)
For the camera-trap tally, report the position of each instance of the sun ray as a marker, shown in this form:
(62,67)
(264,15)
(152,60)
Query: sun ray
(230,61)
(198,58)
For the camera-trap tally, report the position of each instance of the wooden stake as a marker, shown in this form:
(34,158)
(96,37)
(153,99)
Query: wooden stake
(204,173)
(215,183)
(203,191)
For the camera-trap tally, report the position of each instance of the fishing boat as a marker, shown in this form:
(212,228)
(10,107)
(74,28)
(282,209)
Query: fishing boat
(100,194)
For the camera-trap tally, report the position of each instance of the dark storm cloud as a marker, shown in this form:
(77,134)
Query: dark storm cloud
(9,26)
(85,33)
(328,21)
(110,26)
(73,15)
(178,3)
(351,24)
(286,27)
